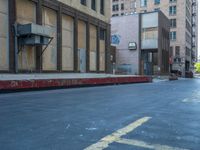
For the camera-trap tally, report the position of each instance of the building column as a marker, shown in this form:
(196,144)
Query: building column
(39,48)
(139,45)
(98,48)
(88,46)
(59,39)
(107,57)
(12,20)
(88,3)
(76,43)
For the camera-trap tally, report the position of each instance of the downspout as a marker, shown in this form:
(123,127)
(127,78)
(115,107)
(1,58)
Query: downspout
(16,48)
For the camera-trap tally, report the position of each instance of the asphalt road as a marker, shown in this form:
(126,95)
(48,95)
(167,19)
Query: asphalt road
(162,115)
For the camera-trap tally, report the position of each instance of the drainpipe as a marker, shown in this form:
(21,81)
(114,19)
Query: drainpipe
(16,48)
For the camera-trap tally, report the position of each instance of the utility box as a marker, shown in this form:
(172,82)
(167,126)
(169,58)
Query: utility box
(33,34)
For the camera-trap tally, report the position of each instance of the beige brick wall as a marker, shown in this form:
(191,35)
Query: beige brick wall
(81,37)
(87,9)
(93,47)
(67,43)
(50,54)
(26,13)
(4,51)
(102,55)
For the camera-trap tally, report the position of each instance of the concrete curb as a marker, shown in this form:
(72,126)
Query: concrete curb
(58,83)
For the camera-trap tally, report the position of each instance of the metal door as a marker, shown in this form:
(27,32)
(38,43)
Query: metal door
(82,60)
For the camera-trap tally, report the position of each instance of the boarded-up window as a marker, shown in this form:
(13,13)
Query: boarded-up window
(26,13)
(102,50)
(4,50)
(93,48)
(50,55)
(81,38)
(67,43)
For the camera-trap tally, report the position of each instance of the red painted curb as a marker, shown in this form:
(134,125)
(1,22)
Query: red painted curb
(47,83)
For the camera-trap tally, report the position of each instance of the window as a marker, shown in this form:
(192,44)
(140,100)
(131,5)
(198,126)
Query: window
(188,26)
(102,7)
(156,2)
(83,2)
(188,38)
(156,9)
(143,3)
(173,23)
(122,6)
(171,1)
(132,5)
(93,4)
(177,51)
(115,15)
(115,0)
(122,14)
(115,7)
(172,10)
(143,11)
(188,51)
(173,35)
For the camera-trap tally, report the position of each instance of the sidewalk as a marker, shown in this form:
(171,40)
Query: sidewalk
(56,80)
(160,78)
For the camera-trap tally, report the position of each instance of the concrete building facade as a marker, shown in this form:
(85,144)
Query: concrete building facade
(183,18)
(142,43)
(80,32)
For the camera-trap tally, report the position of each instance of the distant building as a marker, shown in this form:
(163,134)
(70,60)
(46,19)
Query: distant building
(123,7)
(80,30)
(142,43)
(183,16)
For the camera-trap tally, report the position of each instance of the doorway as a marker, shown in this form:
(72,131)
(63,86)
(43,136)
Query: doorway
(148,64)
(82,60)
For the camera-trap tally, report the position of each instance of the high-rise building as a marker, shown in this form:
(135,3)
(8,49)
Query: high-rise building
(183,27)
(123,7)
(79,31)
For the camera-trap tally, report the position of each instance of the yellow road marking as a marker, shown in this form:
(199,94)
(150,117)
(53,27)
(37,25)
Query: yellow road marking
(104,142)
(147,145)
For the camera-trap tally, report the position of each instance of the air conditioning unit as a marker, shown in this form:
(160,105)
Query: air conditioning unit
(33,34)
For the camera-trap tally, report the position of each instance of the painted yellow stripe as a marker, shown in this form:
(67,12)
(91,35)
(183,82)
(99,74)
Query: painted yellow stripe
(104,142)
(146,145)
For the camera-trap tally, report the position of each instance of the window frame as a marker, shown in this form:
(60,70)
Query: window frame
(83,2)
(93,5)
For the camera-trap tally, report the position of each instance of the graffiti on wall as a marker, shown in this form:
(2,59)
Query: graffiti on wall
(115,39)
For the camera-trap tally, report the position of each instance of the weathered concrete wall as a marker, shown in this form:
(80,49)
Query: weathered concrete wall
(67,43)
(102,55)
(126,29)
(4,50)
(87,9)
(26,13)
(81,38)
(50,54)
(93,48)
